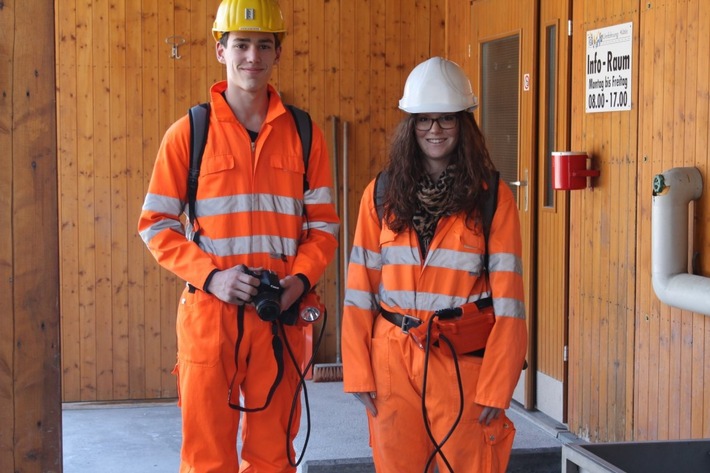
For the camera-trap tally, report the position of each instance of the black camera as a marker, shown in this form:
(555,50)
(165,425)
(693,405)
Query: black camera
(268,296)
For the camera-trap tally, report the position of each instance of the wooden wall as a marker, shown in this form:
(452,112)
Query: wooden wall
(30,411)
(638,368)
(118,90)
(672,371)
(603,243)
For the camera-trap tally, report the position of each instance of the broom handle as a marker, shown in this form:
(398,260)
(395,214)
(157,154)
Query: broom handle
(345,224)
(338,268)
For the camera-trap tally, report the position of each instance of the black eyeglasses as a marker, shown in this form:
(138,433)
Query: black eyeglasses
(445,122)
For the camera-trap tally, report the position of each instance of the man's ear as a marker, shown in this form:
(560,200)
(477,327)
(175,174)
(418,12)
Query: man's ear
(219,52)
(278,55)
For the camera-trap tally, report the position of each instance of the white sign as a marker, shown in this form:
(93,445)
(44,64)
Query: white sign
(609,68)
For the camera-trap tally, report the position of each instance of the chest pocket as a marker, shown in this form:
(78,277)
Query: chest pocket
(471,246)
(398,249)
(216,164)
(287,174)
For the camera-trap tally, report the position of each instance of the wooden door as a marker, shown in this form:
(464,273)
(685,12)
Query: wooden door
(552,212)
(503,50)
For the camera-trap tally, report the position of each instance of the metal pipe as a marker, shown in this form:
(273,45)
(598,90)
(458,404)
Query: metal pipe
(672,192)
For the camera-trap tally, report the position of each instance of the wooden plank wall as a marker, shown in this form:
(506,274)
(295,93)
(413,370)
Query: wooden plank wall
(603,241)
(552,221)
(30,411)
(671,398)
(118,90)
(637,367)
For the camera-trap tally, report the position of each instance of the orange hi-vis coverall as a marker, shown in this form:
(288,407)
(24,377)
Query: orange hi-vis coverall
(387,270)
(249,210)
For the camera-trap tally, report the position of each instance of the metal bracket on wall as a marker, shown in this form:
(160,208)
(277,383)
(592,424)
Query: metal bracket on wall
(175,42)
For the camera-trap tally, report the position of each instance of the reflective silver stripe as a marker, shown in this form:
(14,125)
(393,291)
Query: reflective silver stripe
(428,301)
(505,262)
(223,205)
(476,297)
(162,204)
(248,203)
(329,228)
(456,260)
(249,244)
(367,258)
(509,308)
(362,300)
(157,227)
(400,255)
(319,195)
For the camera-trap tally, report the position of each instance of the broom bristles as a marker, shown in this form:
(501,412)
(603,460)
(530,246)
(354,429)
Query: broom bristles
(327,372)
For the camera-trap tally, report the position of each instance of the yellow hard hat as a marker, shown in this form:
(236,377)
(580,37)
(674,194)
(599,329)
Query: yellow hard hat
(249,15)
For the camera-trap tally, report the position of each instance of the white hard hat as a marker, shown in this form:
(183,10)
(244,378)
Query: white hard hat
(437,85)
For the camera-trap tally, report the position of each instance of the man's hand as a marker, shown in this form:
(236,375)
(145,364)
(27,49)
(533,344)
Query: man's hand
(292,289)
(233,285)
(367,399)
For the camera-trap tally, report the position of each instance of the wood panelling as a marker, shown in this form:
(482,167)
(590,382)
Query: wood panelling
(118,90)
(638,367)
(602,241)
(551,264)
(671,399)
(30,411)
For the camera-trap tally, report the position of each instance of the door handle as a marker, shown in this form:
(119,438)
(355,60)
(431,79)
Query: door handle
(523,183)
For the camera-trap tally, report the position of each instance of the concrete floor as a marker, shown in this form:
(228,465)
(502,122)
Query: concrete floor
(145,437)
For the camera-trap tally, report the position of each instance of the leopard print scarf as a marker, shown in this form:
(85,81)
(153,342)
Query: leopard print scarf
(434,200)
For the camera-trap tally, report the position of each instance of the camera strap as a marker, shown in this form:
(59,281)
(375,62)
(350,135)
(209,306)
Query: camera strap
(278,348)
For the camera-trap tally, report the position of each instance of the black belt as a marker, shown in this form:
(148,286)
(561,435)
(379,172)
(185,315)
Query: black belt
(406,322)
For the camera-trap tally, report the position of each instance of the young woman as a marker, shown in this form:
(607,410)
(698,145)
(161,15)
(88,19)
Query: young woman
(421,266)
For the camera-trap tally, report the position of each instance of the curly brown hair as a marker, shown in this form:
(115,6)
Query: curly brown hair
(406,168)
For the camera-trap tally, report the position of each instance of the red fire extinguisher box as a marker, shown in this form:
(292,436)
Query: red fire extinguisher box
(569,170)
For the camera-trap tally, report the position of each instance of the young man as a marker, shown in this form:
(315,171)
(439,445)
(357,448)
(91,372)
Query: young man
(253,214)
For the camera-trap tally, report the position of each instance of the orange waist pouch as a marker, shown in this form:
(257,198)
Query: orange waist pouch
(466,328)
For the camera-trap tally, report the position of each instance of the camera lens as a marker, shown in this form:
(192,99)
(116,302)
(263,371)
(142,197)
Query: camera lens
(267,308)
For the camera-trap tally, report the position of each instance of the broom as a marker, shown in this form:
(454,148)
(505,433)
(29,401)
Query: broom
(324,372)
(331,371)
(334,371)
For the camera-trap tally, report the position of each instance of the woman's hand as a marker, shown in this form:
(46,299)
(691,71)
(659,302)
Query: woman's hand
(488,414)
(366,398)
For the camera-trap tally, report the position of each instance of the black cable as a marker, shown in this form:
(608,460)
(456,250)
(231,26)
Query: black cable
(301,385)
(438,446)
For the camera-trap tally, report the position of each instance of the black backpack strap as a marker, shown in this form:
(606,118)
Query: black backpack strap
(199,125)
(487,211)
(304,127)
(381,182)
